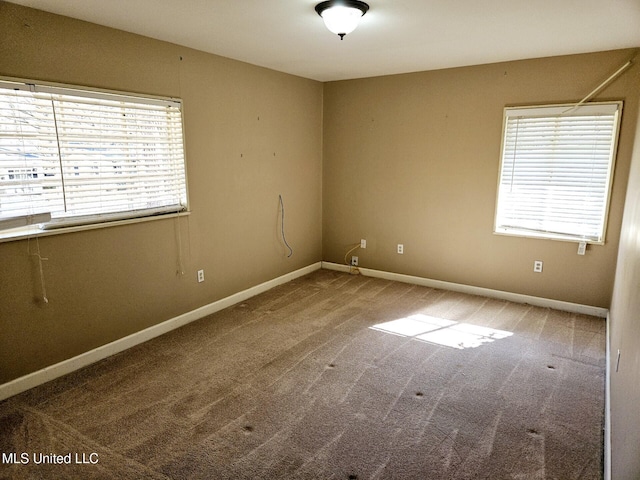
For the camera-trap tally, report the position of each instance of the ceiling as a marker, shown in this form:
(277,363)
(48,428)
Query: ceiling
(395,36)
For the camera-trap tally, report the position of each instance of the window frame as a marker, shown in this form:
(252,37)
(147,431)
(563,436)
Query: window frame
(100,220)
(559,109)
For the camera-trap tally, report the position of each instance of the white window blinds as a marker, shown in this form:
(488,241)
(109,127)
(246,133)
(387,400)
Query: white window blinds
(556,171)
(88,156)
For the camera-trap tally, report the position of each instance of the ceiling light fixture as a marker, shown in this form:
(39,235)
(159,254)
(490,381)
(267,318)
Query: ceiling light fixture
(342,16)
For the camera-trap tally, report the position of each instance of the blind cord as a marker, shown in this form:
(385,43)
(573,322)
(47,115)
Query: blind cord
(62,176)
(180,269)
(513,160)
(40,259)
(284,239)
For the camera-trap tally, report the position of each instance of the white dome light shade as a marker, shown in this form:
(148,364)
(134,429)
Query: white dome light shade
(341,17)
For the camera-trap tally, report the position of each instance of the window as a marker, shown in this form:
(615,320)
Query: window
(88,157)
(556,171)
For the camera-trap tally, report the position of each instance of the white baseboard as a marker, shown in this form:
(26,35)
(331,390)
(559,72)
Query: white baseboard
(67,366)
(485,292)
(607,405)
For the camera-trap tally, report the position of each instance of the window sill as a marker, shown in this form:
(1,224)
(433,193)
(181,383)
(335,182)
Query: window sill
(546,236)
(33,231)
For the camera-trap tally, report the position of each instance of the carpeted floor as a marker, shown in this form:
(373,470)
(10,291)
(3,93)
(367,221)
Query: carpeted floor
(331,376)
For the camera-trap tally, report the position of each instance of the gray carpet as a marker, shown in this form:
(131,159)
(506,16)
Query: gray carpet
(295,383)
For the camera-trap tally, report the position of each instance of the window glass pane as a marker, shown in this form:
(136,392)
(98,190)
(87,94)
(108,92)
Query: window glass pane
(556,170)
(78,153)
(29,165)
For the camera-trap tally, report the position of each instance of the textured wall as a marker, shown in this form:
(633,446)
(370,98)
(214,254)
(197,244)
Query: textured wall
(251,134)
(414,159)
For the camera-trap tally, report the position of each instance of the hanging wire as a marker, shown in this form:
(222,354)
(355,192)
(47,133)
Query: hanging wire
(284,239)
(346,262)
(352,269)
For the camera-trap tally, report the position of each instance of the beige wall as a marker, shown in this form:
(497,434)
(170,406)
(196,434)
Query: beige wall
(251,134)
(625,337)
(414,159)
(409,159)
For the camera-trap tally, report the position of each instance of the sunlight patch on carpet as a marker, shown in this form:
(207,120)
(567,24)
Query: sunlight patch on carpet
(441,331)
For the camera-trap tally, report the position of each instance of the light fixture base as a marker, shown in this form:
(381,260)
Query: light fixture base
(322,6)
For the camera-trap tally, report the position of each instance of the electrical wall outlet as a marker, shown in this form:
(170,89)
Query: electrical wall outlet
(200,276)
(363,243)
(354,261)
(400,248)
(537,266)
